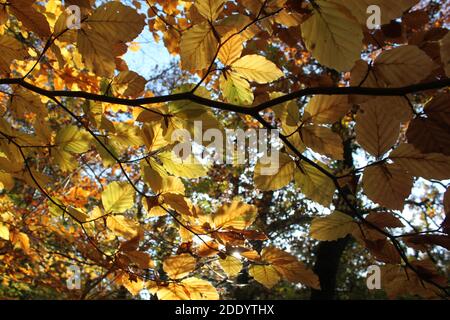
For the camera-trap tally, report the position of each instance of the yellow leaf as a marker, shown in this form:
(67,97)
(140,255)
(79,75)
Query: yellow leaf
(231,265)
(150,115)
(288,113)
(290,268)
(141,259)
(128,84)
(115,22)
(73,139)
(236,22)
(110,24)
(77,214)
(314,184)
(198,47)
(284,173)
(235,89)
(169,291)
(257,68)
(189,168)
(332,227)
(126,136)
(200,289)
(333,36)
(134,46)
(31,19)
(6,181)
(232,49)
(24,101)
(210,9)
(133,285)
(235,214)
(118,197)
(387,185)
(122,226)
(180,266)
(21,240)
(188,289)
(153,136)
(162,183)
(4,232)
(178,203)
(326,109)
(97,53)
(288,18)
(11,50)
(264,274)
(64,159)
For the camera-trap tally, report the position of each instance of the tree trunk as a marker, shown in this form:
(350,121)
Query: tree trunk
(329,252)
(326,267)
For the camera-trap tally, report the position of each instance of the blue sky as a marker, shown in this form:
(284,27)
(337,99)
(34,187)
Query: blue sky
(149,56)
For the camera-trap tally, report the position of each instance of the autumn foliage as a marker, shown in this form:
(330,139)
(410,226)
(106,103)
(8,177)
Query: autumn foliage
(88,177)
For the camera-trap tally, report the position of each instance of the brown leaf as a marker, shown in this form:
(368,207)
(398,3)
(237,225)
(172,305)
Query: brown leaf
(447,202)
(31,19)
(384,220)
(429,136)
(384,251)
(438,109)
(376,130)
(323,140)
(387,185)
(427,240)
(428,166)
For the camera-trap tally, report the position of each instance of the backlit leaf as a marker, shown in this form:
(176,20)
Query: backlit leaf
(118,197)
(332,227)
(333,36)
(180,266)
(388,185)
(256,68)
(231,265)
(264,274)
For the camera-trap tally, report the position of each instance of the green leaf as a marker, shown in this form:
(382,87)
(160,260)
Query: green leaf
(235,89)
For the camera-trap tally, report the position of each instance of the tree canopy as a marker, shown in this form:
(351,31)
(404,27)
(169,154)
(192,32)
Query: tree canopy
(92,190)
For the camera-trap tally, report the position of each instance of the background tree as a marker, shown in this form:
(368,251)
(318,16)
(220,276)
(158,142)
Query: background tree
(88,177)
